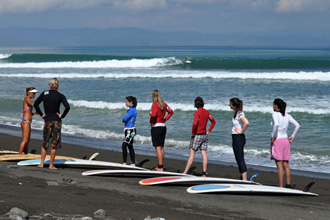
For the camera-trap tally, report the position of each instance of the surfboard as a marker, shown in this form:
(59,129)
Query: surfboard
(246,189)
(138,173)
(8,152)
(187,61)
(189,180)
(20,157)
(80,163)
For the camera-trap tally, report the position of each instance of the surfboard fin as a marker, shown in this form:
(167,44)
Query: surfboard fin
(94,156)
(191,169)
(33,151)
(309,185)
(142,162)
(254,176)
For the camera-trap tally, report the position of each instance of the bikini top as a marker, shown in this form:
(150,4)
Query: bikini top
(29,108)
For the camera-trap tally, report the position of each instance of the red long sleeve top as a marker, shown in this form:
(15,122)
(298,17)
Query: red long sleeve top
(201,118)
(157,115)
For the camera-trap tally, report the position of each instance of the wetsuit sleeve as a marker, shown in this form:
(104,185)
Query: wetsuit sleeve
(195,123)
(213,122)
(153,113)
(275,125)
(66,105)
(296,126)
(37,103)
(170,112)
(128,115)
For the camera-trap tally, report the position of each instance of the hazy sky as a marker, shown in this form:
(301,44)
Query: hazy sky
(205,16)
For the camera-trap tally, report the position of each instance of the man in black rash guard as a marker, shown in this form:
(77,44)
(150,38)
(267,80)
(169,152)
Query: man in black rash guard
(52,100)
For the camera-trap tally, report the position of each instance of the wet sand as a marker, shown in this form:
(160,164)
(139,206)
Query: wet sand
(65,191)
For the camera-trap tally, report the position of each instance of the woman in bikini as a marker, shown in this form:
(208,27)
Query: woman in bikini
(30,93)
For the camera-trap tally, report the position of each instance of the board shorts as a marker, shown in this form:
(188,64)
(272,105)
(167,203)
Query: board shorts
(52,135)
(158,135)
(199,142)
(280,149)
(129,135)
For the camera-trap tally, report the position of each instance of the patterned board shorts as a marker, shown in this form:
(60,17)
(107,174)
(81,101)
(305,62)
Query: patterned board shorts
(52,134)
(199,142)
(129,135)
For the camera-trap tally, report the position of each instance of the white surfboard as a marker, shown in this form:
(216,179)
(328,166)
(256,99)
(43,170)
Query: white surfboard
(139,173)
(189,180)
(246,189)
(80,163)
(187,61)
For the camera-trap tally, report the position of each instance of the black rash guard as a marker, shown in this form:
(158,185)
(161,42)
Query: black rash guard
(52,100)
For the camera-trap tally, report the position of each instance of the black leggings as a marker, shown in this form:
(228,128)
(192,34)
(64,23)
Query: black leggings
(131,152)
(238,147)
(128,143)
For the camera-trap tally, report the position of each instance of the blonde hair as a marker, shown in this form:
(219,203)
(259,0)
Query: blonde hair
(27,90)
(54,83)
(157,98)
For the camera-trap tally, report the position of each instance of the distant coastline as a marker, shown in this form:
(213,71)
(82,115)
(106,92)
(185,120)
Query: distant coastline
(79,37)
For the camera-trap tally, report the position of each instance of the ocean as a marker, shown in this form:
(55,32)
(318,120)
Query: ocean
(96,81)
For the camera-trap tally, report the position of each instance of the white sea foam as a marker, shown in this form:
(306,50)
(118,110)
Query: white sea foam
(4,56)
(175,74)
(146,106)
(133,63)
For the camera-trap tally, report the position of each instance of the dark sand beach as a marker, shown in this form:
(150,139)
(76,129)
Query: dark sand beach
(65,191)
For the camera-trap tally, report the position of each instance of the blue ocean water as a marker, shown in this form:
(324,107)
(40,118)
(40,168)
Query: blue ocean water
(97,80)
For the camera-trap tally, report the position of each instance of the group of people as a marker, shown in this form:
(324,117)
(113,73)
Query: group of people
(160,113)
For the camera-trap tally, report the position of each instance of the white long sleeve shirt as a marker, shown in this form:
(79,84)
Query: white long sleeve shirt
(280,125)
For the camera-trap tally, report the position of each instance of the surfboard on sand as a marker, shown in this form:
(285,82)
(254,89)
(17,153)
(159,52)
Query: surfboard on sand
(189,180)
(20,157)
(8,152)
(137,173)
(246,189)
(80,163)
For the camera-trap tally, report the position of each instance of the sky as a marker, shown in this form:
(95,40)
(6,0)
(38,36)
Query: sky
(309,17)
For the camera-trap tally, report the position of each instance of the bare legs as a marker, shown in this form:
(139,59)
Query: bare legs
(26,133)
(191,160)
(52,157)
(280,165)
(160,156)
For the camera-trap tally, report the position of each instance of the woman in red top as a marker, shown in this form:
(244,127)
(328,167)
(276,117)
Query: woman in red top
(158,127)
(199,135)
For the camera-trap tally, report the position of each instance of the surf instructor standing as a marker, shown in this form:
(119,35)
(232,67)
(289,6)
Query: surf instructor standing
(52,100)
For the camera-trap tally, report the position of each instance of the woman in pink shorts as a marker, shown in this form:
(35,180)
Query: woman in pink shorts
(280,143)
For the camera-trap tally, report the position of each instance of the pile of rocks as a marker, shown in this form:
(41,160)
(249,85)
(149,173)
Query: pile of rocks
(19,214)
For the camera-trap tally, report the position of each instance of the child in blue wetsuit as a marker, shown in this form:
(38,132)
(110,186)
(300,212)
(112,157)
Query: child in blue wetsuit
(130,131)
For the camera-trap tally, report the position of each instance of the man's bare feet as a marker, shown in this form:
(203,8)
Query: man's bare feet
(124,163)
(133,164)
(40,166)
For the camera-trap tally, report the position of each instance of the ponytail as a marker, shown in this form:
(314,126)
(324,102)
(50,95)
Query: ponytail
(133,100)
(238,104)
(281,105)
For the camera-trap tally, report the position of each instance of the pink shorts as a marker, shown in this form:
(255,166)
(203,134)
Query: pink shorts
(280,149)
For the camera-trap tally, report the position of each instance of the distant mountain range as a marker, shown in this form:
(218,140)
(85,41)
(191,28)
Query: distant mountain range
(42,37)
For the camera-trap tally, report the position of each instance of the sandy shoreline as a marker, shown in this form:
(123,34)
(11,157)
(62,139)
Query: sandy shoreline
(123,197)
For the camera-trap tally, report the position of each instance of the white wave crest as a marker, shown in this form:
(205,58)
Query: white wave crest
(175,74)
(4,56)
(133,63)
(146,106)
